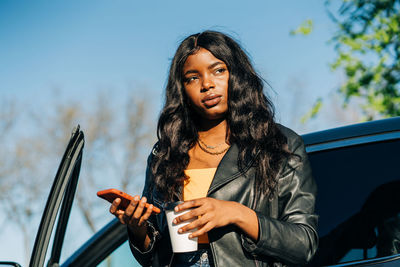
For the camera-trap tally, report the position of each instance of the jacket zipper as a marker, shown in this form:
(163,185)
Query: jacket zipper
(171,260)
(213,254)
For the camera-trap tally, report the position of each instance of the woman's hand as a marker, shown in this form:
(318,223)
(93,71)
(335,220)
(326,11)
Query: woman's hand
(209,213)
(135,217)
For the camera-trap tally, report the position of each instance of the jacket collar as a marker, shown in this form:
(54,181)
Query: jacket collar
(228,169)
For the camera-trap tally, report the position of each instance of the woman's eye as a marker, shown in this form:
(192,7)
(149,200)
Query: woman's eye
(190,79)
(220,70)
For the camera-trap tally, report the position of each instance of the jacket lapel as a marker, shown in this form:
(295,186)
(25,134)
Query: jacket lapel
(227,169)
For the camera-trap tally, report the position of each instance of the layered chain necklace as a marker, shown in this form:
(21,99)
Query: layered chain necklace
(208,149)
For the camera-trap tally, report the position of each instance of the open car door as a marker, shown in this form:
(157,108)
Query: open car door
(61,195)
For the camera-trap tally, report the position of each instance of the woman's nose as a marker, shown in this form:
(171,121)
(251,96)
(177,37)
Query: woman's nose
(208,82)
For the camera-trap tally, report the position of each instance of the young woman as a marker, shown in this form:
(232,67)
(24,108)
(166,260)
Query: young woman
(246,178)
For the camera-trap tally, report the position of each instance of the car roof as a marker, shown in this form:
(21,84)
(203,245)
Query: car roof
(383,126)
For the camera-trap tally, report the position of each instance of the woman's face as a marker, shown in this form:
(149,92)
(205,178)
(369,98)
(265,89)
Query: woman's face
(206,84)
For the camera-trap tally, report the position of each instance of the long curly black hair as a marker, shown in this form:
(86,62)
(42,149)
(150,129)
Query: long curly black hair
(250,119)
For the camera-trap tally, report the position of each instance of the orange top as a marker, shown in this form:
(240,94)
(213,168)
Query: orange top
(197,186)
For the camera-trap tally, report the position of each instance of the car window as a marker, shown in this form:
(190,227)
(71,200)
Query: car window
(86,220)
(58,204)
(81,228)
(358,202)
(122,256)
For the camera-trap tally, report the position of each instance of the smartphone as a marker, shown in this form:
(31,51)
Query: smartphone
(111,194)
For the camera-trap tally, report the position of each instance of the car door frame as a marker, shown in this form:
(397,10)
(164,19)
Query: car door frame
(59,202)
(354,135)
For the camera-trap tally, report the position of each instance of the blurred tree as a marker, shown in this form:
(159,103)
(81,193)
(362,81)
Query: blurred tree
(115,135)
(368,52)
(7,119)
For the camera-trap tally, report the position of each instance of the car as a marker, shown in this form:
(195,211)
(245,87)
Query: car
(356,168)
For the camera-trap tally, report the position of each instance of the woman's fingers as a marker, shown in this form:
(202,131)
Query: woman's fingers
(198,223)
(135,215)
(114,205)
(190,204)
(146,215)
(139,209)
(132,206)
(200,231)
(205,213)
(117,212)
(200,212)
(194,213)
(120,214)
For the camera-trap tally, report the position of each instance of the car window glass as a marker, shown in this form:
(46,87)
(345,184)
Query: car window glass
(57,209)
(122,256)
(81,227)
(86,220)
(358,202)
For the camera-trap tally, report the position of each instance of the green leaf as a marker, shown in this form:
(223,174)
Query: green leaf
(312,112)
(305,28)
(352,43)
(367,46)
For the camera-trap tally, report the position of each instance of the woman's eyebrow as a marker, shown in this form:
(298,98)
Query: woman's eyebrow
(190,71)
(209,67)
(215,64)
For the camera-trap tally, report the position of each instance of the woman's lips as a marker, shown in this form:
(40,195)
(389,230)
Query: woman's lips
(211,100)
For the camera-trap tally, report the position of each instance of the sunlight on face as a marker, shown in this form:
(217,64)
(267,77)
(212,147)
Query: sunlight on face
(206,84)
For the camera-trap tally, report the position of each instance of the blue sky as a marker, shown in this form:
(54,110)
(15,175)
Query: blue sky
(81,47)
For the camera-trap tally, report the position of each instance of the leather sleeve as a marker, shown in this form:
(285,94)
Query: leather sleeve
(145,258)
(292,237)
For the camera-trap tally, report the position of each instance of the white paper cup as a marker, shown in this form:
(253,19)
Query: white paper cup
(179,242)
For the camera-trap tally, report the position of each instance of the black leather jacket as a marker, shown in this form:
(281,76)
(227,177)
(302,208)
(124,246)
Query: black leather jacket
(287,225)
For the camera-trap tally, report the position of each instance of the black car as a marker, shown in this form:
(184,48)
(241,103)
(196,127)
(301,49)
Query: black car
(358,203)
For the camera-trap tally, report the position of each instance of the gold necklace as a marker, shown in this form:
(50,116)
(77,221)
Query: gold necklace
(210,147)
(211,152)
